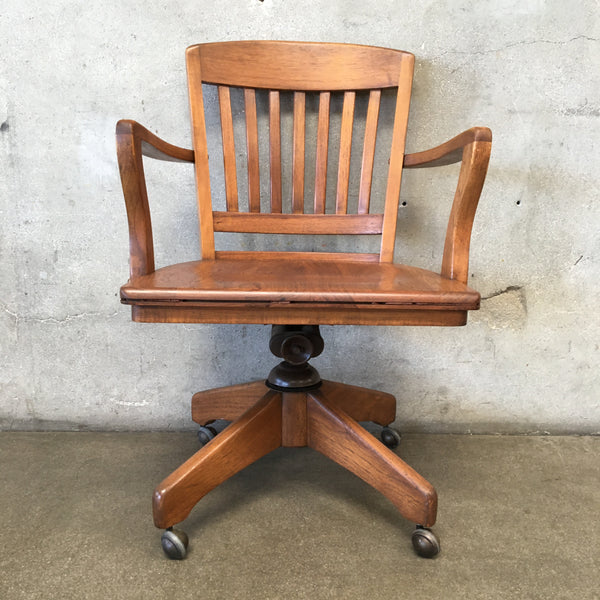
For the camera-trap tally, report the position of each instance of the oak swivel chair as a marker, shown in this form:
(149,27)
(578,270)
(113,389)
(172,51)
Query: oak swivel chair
(296,291)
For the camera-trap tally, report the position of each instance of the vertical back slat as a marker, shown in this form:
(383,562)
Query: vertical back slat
(392,193)
(341,200)
(366,171)
(228,149)
(276,67)
(322,150)
(275,150)
(205,213)
(298,153)
(252,148)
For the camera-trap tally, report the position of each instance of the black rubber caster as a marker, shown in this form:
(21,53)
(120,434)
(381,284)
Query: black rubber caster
(425,542)
(174,543)
(205,434)
(390,437)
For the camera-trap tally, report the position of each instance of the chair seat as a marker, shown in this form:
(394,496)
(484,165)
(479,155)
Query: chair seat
(307,281)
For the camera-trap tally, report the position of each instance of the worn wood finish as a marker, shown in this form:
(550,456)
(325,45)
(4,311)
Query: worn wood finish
(361,404)
(256,433)
(363,455)
(228,403)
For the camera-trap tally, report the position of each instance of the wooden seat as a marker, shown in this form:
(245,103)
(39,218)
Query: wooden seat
(296,291)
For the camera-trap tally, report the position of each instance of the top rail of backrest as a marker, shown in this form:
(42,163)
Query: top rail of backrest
(306,66)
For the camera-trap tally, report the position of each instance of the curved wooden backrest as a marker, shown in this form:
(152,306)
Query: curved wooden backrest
(299,68)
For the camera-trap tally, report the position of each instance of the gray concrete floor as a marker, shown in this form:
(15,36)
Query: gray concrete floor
(518,518)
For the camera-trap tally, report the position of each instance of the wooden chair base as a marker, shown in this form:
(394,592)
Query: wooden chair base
(325,419)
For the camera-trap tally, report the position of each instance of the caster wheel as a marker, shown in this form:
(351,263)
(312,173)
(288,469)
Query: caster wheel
(205,434)
(390,437)
(425,542)
(174,543)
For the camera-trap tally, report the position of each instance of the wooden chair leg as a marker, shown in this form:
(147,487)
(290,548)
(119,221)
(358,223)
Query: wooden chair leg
(342,439)
(226,403)
(256,433)
(362,404)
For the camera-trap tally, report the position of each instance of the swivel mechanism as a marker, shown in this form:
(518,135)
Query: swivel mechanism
(296,345)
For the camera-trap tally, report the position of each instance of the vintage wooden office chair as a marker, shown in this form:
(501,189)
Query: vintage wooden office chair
(298,291)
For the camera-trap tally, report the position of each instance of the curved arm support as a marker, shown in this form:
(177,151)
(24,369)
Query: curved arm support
(134,142)
(449,152)
(473,148)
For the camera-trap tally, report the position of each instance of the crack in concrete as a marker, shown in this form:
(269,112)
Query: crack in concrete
(66,319)
(510,288)
(523,43)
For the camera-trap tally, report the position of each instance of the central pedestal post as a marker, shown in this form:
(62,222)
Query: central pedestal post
(296,344)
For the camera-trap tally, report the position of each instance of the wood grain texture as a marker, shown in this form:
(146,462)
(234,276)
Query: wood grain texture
(133,142)
(369,459)
(361,404)
(368,157)
(392,193)
(298,256)
(449,152)
(152,146)
(298,288)
(310,281)
(341,199)
(455,261)
(298,65)
(322,153)
(229,162)
(275,150)
(252,151)
(207,236)
(293,420)
(298,313)
(298,224)
(256,433)
(298,152)
(228,403)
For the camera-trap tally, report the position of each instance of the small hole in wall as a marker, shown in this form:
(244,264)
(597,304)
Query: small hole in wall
(404,203)
(518,203)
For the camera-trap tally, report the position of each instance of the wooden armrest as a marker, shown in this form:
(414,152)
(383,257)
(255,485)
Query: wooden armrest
(449,152)
(151,145)
(473,148)
(134,142)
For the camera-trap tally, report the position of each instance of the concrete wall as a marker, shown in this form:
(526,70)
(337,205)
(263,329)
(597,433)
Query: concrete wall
(529,69)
